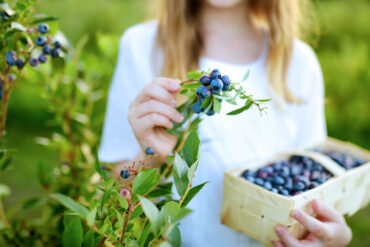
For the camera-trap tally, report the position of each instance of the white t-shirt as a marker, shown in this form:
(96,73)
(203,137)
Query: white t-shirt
(230,141)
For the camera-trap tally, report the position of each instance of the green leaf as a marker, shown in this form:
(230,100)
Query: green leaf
(72,235)
(180,175)
(144,235)
(174,236)
(145,181)
(122,201)
(89,239)
(173,211)
(194,75)
(192,170)
(133,243)
(152,212)
(165,244)
(246,76)
(70,204)
(4,191)
(192,192)
(90,218)
(33,202)
(119,218)
(263,100)
(206,102)
(216,105)
(5,163)
(191,148)
(191,85)
(102,173)
(241,109)
(105,198)
(161,190)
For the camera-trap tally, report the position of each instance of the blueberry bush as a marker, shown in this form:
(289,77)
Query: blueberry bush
(85,202)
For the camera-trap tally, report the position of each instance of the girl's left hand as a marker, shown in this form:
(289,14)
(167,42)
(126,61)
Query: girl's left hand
(329,229)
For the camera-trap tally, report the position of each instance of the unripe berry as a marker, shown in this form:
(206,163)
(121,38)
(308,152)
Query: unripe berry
(205,80)
(40,40)
(125,174)
(216,86)
(43,28)
(226,81)
(125,193)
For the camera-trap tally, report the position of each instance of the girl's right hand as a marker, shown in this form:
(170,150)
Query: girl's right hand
(153,108)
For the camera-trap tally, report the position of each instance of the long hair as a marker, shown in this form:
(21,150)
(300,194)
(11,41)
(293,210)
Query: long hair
(181,43)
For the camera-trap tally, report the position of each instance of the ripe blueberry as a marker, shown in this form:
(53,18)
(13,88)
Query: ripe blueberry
(149,151)
(125,174)
(205,80)
(40,40)
(226,81)
(43,28)
(203,91)
(259,181)
(10,58)
(274,190)
(210,112)
(267,185)
(216,86)
(284,192)
(278,180)
(54,52)
(46,50)
(42,58)
(57,44)
(34,62)
(197,107)
(19,63)
(215,74)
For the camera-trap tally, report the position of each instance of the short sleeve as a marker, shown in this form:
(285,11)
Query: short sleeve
(312,127)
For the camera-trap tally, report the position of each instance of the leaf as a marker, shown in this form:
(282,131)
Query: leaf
(152,212)
(119,218)
(191,85)
(241,109)
(192,192)
(216,105)
(206,102)
(4,191)
(191,148)
(33,202)
(165,244)
(145,181)
(70,204)
(263,100)
(192,170)
(72,234)
(133,243)
(89,239)
(174,236)
(161,190)
(90,218)
(105,197)
(5,164)
(246,76)
(18,26)
(180,175)
(98,167)
(195,75)
(173,211)
(144,235)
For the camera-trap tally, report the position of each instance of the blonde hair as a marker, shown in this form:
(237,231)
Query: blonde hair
(181,43)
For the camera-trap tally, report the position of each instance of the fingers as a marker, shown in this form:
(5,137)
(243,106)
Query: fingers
(153,106)
(277,244)
(171,85)
(154,119)
(325,211)
(313,225)
(286,238)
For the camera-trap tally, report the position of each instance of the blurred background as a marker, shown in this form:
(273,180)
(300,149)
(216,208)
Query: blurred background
(342,48)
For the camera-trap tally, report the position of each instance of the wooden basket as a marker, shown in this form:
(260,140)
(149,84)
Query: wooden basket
(255,211)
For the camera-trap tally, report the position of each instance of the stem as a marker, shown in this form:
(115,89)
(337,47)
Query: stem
(3,217)
(125,224)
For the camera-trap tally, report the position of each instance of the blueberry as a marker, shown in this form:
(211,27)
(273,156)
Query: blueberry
(57,44)
(197,107)
(250,179)
(205,80)
(267,185)
(10,58)
(284,192)
(149,151)
(34,62)
(40,40)
(125,174)
(19,63)
(247,173)
(268,169)
(312,185)
(210,112)
(42,58)
(203,91)
(43,28)
(299,186)
(215,74)
(274,190)
(227,82)
(295,159)
(54,52)
(46,50)
(284,171)
(262,174)
(259,181)
(216,86)
(319,180)
(278,180)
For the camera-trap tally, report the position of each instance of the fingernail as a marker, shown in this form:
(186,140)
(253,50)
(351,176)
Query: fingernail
(175,86)
(296,214)
(279,230)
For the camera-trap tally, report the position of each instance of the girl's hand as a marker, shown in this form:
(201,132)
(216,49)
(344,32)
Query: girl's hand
(153,108)
(329,229)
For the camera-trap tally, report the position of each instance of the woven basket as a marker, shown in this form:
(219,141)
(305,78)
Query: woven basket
(255,211)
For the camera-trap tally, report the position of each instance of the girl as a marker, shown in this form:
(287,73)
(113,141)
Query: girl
(233,36)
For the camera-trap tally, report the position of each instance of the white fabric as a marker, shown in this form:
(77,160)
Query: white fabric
(230,141)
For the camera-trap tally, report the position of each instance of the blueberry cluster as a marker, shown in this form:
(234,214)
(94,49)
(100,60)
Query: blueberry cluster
(42,41)
(211,84)
(289,177)
(344,160)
